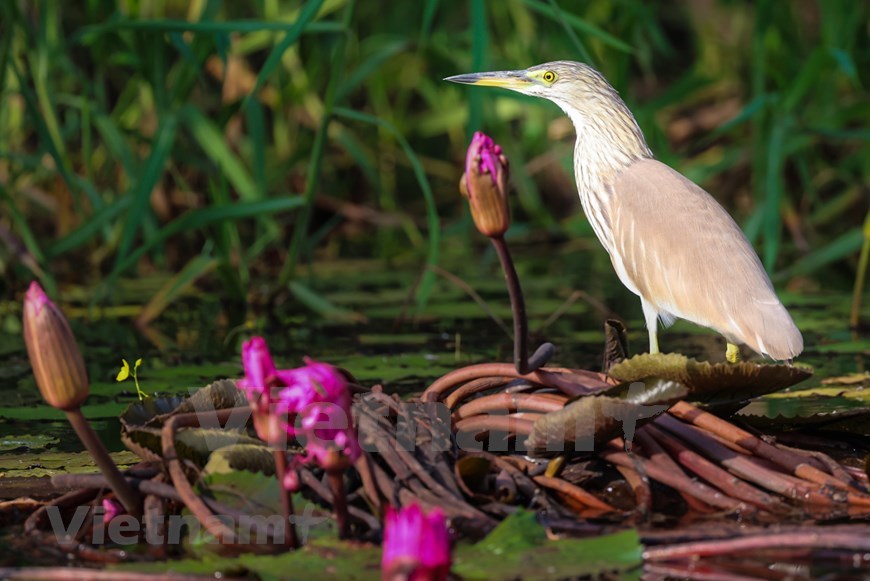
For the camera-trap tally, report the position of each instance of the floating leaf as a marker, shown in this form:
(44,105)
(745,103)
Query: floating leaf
(715,383)
(518,548)
(829,414)
(242,457)
(27,442)
(141,423)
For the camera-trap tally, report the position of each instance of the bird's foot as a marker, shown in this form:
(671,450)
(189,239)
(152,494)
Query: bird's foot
(732,353)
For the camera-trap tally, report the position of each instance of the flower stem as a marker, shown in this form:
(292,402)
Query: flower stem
(339,500)
(290,537)
(123,490)
(523,362)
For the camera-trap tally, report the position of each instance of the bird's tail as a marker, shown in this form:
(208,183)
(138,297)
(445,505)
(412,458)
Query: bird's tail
(775,334)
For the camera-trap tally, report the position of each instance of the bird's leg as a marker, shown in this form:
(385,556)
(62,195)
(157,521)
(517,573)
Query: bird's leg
(732,353)
(652,319)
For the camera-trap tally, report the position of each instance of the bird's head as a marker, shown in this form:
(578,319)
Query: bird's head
(602,119)
(571,85)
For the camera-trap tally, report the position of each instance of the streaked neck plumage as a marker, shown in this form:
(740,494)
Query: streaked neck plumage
(608,140)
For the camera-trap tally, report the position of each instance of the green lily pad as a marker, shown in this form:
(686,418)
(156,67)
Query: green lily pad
(248,457)
(50,463)
(713,383)
(142,422)
(518,548)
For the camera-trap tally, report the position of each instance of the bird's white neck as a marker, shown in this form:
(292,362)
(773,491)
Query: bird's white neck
(608,141)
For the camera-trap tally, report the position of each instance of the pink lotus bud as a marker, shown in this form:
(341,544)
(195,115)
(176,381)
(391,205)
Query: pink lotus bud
(416,545)
(259,367)
(54,355)
(485,185)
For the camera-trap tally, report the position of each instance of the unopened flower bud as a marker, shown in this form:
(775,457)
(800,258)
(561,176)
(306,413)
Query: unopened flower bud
(54,355)
(485,185)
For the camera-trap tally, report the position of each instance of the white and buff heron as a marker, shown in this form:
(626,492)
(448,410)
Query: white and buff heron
(669,241)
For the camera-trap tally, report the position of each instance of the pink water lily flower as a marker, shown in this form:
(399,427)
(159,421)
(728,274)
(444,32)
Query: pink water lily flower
(416,545)
(311,403)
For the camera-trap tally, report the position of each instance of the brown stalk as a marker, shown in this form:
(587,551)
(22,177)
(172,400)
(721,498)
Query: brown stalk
(508,423)
(510,402)
(792,462)
(290,538)
(742,466)
(676,480)
(194,503)
(657,455)
(524,364)
(131,499)
(574,492)
(475,386)
(721,479)
(572,382)
(640,488)
(807,540)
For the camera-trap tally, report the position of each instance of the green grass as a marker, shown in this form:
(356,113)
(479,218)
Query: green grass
(216,139)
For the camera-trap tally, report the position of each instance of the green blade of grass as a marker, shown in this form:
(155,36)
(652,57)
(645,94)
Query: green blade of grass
(773,196)
(577,23)
(317,150)
(321,306)
(838,249)
(307,14)
(424,290)
(212,142)
(146,180)
(89,228)
(30,243)
(196,219)
(195,269)
(367,67)
(88,34)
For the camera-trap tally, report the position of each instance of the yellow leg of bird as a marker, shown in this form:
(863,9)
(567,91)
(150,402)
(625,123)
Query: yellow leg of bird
(652,318)
(732,353)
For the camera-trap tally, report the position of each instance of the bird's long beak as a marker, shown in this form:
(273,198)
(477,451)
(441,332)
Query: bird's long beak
(516,80)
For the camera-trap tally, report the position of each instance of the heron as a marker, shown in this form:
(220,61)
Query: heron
(670,242)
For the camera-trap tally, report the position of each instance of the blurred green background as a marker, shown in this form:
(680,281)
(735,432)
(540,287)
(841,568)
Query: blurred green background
(227,146)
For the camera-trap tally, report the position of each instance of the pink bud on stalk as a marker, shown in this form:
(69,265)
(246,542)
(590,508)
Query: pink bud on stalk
(60,375)
(484,183)
(54,355)
(416,545)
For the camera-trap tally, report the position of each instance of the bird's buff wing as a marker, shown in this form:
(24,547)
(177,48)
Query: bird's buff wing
(685,255)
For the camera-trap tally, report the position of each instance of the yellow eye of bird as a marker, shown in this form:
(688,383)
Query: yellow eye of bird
(549,76)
